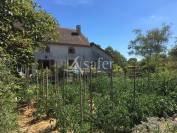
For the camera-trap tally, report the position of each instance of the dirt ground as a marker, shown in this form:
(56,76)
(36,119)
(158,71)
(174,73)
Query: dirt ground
(29,124)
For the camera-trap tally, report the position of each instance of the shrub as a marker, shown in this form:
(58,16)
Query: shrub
(110,117)
(7,100)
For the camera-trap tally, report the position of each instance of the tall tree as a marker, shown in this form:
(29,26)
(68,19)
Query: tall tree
(173,53)
(117,56)
(110,50)
(24,26)
(132,61)
(152,42)
(173,56)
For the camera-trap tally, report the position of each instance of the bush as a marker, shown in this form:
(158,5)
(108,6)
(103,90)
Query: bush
(8,113)
(110,117)
(7,100)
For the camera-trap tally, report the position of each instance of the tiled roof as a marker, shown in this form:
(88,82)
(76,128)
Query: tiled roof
(72,37)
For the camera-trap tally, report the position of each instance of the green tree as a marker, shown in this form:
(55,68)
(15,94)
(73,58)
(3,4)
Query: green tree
(24,26)
(132,62)
(110,50)
(118,58)
(173,56)
(173,53)
(152,42)
(158,63)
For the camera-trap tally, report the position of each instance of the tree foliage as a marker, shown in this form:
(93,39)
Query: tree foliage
(117,56)
(24,26)
(7,98)
(172,59)
(152,42)
(173,52)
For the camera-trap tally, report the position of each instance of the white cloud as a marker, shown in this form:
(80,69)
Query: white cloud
(73,2)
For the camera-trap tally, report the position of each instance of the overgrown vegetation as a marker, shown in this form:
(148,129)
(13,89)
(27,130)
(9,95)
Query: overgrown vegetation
(23,28)
(91,104)
(95,102)
(7,100)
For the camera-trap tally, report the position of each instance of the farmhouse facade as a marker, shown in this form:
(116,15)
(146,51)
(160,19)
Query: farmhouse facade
(73,45)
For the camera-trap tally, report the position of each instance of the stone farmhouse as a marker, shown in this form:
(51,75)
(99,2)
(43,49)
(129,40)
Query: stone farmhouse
(73,46)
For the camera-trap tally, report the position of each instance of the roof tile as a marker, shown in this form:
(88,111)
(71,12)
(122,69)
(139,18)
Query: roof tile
(70,36)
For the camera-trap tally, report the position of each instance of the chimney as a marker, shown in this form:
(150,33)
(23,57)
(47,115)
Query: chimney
(78,29)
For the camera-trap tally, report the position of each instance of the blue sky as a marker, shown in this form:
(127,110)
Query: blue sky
(110,22)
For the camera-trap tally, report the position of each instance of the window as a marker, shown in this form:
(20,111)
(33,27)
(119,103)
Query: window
(71,50)
(47,49)
(46,63)
(70,62)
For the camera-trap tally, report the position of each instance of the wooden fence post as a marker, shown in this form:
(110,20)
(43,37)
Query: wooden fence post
(81,99)
(91,98)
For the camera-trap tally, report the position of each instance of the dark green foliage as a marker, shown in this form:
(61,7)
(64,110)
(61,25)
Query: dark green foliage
(7,100)
(8,113)
(173,52)
(24,27)
(111,117)
(173,57)
(118,58)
